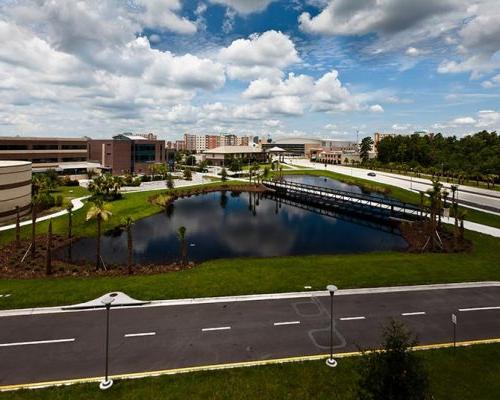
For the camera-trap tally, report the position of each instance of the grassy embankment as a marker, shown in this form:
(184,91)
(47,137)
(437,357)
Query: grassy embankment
(466,373)
(397,193)
(268,275)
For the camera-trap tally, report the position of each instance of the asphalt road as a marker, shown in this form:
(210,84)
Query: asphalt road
(69,345)
(483,199)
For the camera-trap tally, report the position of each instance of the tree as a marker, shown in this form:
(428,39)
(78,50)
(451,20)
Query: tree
(187,174)
(127,223)
(34,211)
(18,228)
(365,148)
(395,373)
(69,209)
(48,259)
(435,199)
(170,181)
(100,212)
(235,165)
(106,186)
(223,174)
(181,235)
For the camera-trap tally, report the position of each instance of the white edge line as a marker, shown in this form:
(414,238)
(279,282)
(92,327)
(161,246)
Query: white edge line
(413,313)
(351,318)
(220,328)
(37,342)
(478,309)
(287,323)
(139,334)
(269,296)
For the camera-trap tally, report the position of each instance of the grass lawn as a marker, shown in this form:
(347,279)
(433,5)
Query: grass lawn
(264,165)
(467,373)
(406,196)
(268,275)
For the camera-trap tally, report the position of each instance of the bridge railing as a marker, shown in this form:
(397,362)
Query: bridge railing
(394,206)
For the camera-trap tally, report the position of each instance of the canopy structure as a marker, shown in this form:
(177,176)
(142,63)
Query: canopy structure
(276,149)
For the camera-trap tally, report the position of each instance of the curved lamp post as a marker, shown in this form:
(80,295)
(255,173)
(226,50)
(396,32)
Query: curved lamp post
(331,362)
(107,383)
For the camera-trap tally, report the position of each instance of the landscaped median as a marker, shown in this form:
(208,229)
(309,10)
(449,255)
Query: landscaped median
(465,373)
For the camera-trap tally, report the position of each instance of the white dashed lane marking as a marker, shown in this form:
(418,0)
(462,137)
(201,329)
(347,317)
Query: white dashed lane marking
(287,323)
(351,318)
(406,314)
(479,309)
(220,328)
(140,334)
(36,342)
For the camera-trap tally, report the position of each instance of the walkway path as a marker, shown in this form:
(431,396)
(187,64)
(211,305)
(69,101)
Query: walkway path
(77,204)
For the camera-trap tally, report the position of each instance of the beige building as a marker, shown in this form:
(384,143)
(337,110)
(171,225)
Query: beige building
(15,188)
(222,156)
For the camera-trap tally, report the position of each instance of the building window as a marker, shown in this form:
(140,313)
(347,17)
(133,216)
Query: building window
(13,147)
(45,147)
(144,152)
(74,147)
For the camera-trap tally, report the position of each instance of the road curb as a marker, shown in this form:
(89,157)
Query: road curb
(258,297)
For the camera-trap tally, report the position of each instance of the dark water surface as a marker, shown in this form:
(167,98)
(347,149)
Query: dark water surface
(225,225)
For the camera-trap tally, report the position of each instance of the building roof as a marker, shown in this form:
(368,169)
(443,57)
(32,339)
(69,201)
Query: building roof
(276,149)
(129,137)
(13,163)
(233,150)
(41,138)
(297,140)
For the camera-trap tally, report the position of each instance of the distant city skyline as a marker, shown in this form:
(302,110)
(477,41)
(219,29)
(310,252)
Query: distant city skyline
(311,68)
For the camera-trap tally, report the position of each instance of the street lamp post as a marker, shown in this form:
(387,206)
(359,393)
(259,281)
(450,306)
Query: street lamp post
(411,179)
(107,383)
(331,362)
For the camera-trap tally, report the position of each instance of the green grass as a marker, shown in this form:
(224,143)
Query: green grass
(403,195)
(469,373)
(262,166)
(268,275)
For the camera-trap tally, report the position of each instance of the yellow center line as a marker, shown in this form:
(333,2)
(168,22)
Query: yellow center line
(215,367)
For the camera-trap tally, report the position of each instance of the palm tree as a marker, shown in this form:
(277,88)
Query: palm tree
(69,209)
(181,235)
(127,224)
(34,211)
(435,199)
(99,212)
(18,228)
(48,264)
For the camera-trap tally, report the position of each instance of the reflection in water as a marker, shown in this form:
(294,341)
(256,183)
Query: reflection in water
(248,224)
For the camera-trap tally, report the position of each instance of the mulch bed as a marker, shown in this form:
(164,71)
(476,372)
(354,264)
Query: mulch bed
(35,267)
(417,234)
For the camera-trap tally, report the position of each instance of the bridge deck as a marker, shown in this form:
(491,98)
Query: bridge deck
(358,203)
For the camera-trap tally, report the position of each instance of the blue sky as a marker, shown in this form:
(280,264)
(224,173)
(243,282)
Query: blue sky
(322,68)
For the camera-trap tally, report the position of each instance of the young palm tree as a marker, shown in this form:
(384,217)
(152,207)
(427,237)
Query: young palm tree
(69,209)
(100,213)
(48,264)
(18,228)
(34,211)
(127,224)
(435,199)
(181,235)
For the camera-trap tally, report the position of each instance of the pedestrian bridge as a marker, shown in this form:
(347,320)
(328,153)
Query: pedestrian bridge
(371,206)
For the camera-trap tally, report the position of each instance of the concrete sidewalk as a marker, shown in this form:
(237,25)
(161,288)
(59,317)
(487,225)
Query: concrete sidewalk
(77,204)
